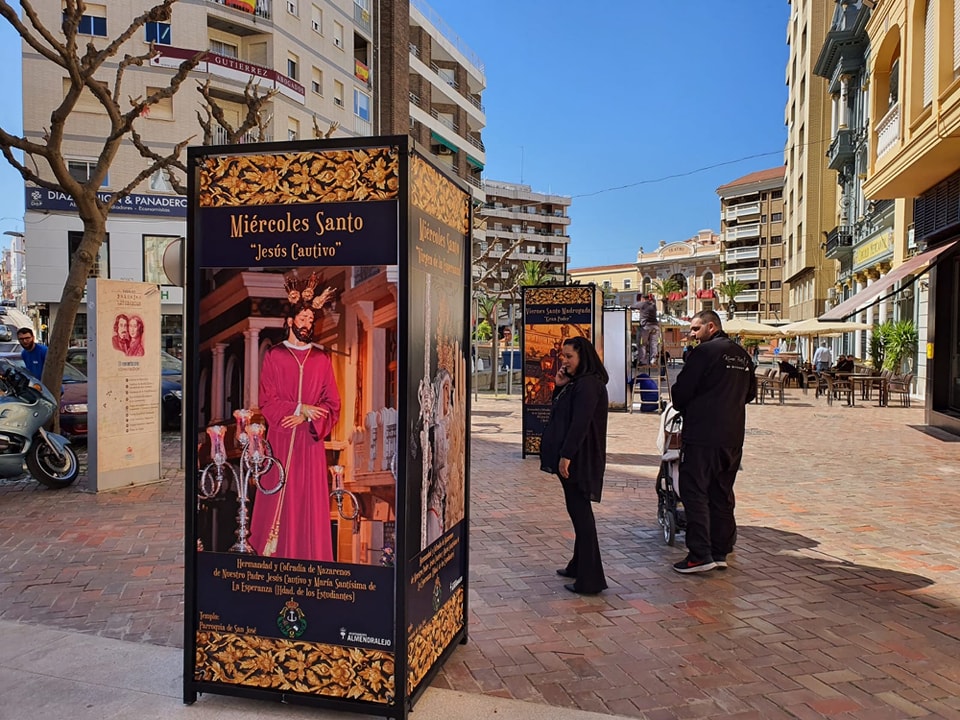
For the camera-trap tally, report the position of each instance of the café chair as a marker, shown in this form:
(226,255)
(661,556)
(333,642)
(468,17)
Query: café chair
(901,386)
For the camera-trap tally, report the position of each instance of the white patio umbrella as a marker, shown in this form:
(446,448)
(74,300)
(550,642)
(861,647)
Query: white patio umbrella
(812,327)
(749,328)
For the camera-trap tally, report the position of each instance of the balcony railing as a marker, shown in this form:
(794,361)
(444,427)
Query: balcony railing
(888,131)
(744,275)
(220,137)
(415,99)
(744,210)
(476,143)
(839,242)
(449,81)
(744,231)
(444,121)
(748,296)
(732,255)
(841,149)
(361,16)
(262,11)
(363,127)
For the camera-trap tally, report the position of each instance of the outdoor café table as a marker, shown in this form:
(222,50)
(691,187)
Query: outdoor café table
(867,383)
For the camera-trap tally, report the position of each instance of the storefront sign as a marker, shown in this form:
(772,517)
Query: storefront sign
(134,204)
(873,249)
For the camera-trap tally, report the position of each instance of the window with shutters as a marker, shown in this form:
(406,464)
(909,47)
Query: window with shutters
(956,39)
(929,59)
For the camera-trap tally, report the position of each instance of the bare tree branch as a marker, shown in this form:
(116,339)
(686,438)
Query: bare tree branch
(331,129)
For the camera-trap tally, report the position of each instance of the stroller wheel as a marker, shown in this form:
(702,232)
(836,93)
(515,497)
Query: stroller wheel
(669,527)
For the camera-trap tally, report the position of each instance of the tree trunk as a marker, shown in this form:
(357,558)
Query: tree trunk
(94,230)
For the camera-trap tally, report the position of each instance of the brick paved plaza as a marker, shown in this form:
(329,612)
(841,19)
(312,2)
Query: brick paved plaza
(841,600)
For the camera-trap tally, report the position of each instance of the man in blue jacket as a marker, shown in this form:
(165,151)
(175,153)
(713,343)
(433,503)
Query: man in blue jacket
(713,388)
(33,354)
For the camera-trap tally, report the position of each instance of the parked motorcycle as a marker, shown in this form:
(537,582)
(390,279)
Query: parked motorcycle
(26,406)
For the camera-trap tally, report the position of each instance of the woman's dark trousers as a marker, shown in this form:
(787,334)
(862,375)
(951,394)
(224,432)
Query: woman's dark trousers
(586,565)
(707,475)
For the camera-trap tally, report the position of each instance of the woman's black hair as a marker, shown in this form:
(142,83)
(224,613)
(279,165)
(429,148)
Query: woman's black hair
(590,362)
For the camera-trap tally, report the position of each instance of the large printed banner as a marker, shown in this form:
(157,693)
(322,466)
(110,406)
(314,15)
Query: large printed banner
(327,531)
(551,314)
(437,391)
(295,285)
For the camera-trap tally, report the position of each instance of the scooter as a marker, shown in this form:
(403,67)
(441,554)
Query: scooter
(26,406)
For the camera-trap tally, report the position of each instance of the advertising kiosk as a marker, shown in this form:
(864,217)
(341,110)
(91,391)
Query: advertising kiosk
(551,314)
(327,497)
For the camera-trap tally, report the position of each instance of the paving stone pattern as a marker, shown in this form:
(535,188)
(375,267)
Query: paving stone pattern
(841,600)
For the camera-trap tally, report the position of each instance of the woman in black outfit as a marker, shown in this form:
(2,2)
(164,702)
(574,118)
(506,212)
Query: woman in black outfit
(574,447)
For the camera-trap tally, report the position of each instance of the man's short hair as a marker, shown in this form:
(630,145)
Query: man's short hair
(709,316)
(25,331)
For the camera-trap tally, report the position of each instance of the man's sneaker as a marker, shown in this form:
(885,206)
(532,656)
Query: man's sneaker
(688,565)
(721,562)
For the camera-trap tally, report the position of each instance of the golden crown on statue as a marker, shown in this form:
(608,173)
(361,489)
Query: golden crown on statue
(302,292)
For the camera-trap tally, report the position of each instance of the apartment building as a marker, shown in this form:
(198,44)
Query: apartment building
(913,153)
(810,189)
(751,242)
(316,53)
(525,226)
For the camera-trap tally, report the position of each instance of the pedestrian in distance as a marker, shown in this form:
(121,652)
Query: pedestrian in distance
(822,358)
(33,354)
(711,393)
(574,447)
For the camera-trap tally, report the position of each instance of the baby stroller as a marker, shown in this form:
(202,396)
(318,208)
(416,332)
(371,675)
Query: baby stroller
(670,512)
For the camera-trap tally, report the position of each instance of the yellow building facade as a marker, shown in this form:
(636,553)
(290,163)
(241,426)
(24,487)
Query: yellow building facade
(914,155)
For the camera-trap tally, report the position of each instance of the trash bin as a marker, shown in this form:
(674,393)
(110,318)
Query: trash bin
(649,392)
(511,360)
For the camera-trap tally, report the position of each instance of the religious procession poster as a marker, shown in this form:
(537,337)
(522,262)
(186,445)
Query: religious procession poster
(552,314)
(437,389)
(123,361)
(295,563)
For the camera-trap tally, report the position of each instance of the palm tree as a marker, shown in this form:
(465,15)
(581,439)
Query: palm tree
(663,288)
(533,272)
(730,288)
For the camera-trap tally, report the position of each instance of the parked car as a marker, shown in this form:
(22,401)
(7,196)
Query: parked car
(73,400)
(171,389)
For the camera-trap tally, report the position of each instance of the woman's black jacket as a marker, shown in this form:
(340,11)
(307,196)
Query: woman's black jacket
(577,430)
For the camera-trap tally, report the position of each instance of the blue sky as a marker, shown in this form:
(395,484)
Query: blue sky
(625,93)
(580,102)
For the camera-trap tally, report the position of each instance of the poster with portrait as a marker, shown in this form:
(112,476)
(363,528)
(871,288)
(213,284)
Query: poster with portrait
(438,391)
(123,366)
(551,314)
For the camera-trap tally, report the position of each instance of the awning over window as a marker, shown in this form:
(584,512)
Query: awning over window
(443,141)
(476,163)
(872,294)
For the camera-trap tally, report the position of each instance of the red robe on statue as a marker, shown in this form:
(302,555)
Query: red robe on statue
(295,522)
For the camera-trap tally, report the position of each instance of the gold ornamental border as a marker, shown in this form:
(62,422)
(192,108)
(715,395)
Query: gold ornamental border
(439,198)
(557,295)
(299,177)
(426,645)
(302,667)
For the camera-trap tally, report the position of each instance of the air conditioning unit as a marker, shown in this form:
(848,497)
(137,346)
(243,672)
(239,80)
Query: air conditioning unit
(338,42)
(444,150)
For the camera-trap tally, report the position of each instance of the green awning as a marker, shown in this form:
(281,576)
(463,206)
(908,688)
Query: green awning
(476,163)
(446,143)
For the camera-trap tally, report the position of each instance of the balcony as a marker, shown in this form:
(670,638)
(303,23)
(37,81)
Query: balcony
(735,255)
(220,137)
(749,275)
(361,16)
(748,296)
(888,131)
(744,231)
(262,11)
(841,149)
(839,242)
(737,212)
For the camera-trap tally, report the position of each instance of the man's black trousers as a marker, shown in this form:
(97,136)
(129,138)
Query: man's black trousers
(707,475)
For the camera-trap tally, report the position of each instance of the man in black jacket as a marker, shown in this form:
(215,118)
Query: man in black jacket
(711,392)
